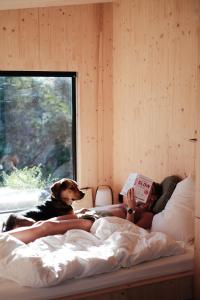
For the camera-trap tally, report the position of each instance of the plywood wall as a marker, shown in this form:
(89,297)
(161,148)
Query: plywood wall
(197,205)
(155,84)
(137,64)
(70,38)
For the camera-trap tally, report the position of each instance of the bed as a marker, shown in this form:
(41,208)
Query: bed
(164,274)
(157,274)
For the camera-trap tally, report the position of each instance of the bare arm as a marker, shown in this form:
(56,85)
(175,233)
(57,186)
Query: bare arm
(131,204)
(141,217)
(49,227)
(64,217)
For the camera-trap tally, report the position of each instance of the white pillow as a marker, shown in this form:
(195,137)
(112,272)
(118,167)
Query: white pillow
(177,219)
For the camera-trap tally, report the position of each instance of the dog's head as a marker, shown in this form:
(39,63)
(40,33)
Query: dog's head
(66,190)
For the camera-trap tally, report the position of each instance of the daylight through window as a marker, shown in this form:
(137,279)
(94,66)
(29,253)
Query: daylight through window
(37,129)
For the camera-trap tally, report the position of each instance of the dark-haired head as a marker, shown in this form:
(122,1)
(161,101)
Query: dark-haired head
(156,192)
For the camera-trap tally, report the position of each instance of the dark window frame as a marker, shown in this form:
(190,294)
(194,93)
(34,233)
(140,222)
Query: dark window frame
(73,75)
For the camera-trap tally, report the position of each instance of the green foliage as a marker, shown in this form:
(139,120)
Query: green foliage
(36,122)
(26,178)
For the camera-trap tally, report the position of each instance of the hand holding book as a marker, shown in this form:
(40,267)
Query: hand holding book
(129,199)
(142,187)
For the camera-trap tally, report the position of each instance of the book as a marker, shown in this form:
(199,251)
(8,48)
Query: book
(142,186)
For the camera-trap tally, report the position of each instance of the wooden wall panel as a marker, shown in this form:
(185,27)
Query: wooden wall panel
(154,65)
(18,4)
(67,39)
(197,259)
(105,98)
(9,32)
(155,87)
(197,201)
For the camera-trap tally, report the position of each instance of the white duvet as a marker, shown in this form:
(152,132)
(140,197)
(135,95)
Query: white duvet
(113,243)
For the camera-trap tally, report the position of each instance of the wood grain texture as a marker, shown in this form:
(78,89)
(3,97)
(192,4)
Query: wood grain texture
(197,198)
(68,39)
(174,287)
(105,98)
(155,87)
(19,4)
(138,85)
(197,260)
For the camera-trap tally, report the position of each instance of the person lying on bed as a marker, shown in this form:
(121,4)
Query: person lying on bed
(141,215)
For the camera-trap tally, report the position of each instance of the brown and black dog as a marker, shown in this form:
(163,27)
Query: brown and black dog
(53,207)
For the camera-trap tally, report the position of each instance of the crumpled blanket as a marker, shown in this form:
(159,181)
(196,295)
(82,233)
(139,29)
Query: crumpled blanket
(113,243)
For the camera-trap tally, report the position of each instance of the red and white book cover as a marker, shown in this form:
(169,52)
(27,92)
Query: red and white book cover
(142,186)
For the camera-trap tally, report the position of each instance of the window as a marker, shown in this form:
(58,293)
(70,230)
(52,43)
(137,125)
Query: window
(37,130)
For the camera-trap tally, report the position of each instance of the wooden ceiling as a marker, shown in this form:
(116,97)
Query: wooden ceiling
(19,4)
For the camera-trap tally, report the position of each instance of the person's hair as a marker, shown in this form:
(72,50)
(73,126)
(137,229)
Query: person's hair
(157,189)
(156,192)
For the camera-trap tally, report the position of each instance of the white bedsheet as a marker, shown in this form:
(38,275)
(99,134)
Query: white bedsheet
(112,244)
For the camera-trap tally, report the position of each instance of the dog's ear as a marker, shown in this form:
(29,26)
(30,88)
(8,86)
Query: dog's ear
(65,183)
(55,190)
(59,186)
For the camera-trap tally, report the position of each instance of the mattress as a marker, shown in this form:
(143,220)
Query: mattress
(148,270)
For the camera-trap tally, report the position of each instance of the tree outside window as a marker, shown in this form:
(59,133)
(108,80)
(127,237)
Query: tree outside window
(37,128)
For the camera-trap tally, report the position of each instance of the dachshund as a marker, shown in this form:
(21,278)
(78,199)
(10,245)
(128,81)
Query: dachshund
(53,207)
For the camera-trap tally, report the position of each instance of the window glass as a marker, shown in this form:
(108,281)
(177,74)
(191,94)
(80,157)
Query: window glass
(37,131)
